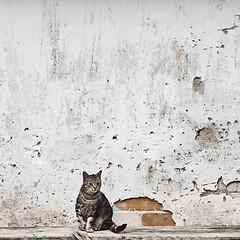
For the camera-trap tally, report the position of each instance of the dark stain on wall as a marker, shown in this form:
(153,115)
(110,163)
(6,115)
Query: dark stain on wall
(238,132)
(205,137)
(198,85)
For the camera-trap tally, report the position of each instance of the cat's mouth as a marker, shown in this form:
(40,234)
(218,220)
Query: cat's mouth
(94,190)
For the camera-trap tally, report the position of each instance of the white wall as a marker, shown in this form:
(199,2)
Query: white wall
(74,74)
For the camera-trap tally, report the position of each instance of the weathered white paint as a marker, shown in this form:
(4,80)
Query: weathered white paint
(74,74)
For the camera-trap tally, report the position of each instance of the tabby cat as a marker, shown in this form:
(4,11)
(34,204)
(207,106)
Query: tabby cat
(92,207)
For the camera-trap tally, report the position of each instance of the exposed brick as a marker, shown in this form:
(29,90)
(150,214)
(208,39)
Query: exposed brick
(158,219)
(141,203)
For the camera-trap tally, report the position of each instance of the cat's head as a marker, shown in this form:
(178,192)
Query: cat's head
(91,183)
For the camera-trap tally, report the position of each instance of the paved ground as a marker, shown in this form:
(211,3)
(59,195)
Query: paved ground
(144,233)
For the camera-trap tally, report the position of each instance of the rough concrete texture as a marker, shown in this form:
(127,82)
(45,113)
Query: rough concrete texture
(145,233)
(89,85)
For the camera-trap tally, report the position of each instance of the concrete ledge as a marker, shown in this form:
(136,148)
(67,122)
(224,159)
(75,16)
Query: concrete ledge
(145,233)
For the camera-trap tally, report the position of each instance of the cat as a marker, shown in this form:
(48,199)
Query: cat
(93,209)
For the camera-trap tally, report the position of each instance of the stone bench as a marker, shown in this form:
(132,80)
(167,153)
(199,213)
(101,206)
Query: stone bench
(144,233)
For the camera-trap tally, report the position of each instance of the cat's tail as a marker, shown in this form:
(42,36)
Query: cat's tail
(116,229)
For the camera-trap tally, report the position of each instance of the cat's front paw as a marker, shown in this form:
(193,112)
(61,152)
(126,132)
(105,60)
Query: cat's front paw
(81,227)
(89,230)
(97,228)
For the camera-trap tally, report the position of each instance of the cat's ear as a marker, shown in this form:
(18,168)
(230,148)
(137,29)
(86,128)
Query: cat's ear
(85,175)
(99,173)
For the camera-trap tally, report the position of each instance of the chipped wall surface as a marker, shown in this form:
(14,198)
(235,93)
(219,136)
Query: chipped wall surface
(148,91)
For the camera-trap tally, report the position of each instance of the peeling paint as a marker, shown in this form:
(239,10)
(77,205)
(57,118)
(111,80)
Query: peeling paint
(232,188)
(206,137)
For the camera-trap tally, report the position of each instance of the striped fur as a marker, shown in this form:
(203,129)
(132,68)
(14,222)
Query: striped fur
(92,207)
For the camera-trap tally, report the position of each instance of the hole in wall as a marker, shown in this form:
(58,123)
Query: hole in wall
(205,137)
(198,86)
(115,137)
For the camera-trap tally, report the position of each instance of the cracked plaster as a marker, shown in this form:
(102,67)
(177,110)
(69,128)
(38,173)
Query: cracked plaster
(109,85)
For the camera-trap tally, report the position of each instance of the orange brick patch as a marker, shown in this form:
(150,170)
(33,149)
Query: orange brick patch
(157,219)
(140,204)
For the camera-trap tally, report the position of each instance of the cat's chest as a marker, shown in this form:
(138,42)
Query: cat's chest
(89,207)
